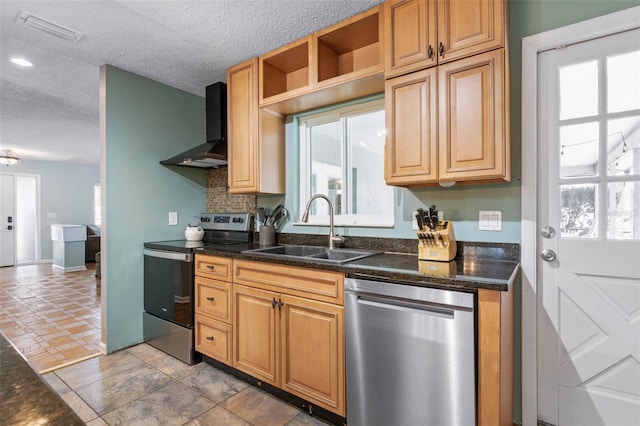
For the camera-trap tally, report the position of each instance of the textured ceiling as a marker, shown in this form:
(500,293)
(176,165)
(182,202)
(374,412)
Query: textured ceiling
(51,111)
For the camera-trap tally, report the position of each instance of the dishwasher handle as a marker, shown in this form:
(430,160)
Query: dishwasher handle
(406,306)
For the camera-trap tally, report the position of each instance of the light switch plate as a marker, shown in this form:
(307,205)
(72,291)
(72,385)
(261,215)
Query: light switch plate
(51,215)
(490,220)
(173,218)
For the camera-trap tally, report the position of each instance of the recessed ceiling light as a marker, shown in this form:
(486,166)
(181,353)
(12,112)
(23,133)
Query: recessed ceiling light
(22,62)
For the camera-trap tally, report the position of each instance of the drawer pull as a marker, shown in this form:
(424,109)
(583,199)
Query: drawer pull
(211,267)
(210,299)
(210,338)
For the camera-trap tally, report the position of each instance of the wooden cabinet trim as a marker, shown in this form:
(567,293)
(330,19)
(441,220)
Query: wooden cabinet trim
(495,358)
(311,283)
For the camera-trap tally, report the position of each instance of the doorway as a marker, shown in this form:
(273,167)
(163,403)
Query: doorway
(20,210)
(581,223)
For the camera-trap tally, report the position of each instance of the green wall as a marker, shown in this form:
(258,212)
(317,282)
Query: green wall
(145,122)
(66,189)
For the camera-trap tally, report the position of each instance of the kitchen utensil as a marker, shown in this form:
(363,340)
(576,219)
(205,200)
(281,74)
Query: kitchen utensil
(262,217)
(280,218)
(272,217)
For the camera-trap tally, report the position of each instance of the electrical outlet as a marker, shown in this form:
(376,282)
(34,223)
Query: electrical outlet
(173,218)
(414,221)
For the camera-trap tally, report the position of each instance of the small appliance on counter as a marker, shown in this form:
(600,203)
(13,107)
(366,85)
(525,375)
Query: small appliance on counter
(436,239)
(169,306)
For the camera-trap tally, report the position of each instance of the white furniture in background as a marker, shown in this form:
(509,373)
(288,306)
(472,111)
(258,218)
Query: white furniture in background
(68,247)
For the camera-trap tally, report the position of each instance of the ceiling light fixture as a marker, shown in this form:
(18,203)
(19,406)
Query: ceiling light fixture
(37,23)
(8,157)
(21,61)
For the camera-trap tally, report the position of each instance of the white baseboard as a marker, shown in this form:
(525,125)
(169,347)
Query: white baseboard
(103,348)
(46,260)
(71,269)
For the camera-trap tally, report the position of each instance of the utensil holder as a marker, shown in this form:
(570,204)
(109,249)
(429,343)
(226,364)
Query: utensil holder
(267,235)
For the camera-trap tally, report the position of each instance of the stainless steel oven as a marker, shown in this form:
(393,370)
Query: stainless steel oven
(169,282)
(168,302)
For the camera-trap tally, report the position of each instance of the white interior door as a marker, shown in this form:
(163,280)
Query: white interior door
(589,222)
(7,233)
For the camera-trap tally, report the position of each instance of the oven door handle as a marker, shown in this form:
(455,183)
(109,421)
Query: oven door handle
(182,257)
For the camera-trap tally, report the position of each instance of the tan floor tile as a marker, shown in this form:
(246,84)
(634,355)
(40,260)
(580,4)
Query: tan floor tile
(77,352)
(59,341)
(259,408)
(78,329)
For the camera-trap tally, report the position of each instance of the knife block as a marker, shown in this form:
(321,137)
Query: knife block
(439,244)
(438,269)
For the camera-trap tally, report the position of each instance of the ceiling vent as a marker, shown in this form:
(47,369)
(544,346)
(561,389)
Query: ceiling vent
(41,24)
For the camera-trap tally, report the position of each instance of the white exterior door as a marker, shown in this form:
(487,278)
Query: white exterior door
(589,232)
(7,233)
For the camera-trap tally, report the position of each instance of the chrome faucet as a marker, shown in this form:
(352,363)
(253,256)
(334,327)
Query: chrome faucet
(305,217)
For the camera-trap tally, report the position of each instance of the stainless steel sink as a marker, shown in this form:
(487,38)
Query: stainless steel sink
(313,253)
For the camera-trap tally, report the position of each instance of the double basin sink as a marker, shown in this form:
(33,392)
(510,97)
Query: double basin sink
(312,253)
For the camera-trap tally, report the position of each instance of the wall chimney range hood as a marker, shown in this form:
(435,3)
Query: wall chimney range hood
(212,153)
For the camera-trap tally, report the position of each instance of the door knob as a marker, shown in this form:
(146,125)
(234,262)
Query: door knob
(548,255)
(547,232)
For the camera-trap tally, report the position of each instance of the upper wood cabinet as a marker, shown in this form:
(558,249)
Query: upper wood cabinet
(285,72)
(410,36)
(256,136)
(422,33)
(473,140)
(411,154)
(339,63)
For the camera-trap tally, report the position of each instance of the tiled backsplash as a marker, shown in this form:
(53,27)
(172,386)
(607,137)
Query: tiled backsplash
(218,198)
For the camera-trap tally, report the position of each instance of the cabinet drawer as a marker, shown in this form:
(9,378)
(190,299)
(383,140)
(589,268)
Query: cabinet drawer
(213,299)
(213,338)
(213,267)
(314,284)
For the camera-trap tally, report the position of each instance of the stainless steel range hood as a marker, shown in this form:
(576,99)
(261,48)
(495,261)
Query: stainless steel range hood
(212,153)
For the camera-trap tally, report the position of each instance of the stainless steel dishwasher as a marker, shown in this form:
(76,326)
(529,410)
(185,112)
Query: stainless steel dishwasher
(410,355)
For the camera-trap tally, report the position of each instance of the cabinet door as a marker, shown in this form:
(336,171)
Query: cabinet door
(242,110)
(255,333)
(312,352)
(473,139)
(410,36)
(410,115)
(469,27)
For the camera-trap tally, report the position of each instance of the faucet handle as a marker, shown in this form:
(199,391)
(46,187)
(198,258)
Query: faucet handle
(337,239)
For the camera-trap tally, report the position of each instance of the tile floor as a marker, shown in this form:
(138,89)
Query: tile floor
(144,386)
(53,318)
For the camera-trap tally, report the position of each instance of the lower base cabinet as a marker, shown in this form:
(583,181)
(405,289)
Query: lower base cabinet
(213,338)
(292,343)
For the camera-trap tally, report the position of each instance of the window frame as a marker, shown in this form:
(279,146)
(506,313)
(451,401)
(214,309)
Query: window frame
(337,113)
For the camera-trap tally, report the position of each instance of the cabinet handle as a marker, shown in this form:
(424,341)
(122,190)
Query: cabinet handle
(430,52)
(280,304)
(210,299)
(211,267)
(273,303)
(210,338)
(441,49)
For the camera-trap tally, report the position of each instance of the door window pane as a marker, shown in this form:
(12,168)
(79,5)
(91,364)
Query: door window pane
(623,82)
(579,150)
(579,90)
(623,210)
(578,216)
(623,146)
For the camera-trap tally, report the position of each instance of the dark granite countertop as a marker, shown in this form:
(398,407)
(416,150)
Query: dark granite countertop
(477,265)
(25,399)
